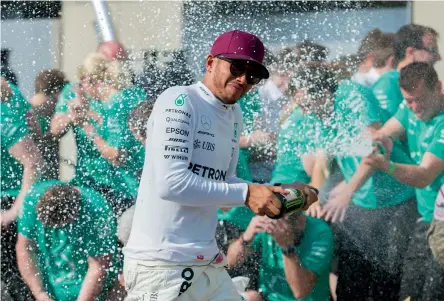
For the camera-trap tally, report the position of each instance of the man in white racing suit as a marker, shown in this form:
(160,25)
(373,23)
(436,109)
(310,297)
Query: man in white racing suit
(192,150)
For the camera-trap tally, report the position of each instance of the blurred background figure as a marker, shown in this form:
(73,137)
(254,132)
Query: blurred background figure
(6,70)
(21,166)
(48,86)
(367,74)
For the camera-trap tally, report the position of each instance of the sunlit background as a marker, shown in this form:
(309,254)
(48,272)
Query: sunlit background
(37,35)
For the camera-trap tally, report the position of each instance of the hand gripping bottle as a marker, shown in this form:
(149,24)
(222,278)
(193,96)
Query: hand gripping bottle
(293,202)
(380,148)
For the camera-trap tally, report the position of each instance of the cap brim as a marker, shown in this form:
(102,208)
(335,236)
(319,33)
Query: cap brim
(262,69)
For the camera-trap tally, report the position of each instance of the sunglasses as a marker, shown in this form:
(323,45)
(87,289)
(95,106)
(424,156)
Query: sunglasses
(240,67)
(431,50)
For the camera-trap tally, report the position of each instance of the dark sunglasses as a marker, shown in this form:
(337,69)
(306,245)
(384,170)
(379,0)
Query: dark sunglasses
(239,67)
(431,50)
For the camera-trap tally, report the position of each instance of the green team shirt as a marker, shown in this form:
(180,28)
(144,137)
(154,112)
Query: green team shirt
(22,104)
(388,93)
(91,167)
(63,252)
(44,122)
(315,253)
(424,137)
(290,146)
(13,128)
(118,134)
(356,108)
(250,105)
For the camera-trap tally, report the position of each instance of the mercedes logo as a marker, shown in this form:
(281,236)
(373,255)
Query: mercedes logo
(206,122)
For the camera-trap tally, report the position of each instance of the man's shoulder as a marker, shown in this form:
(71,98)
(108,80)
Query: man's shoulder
(438,125)
(176,91)
(346,87)
(36,192)
(92,199)
(179,97)
(388,80)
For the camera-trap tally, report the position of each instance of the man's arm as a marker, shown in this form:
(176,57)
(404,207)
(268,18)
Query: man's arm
(112,154)
(255,138)
(26,152)
(28,268)
(60,123)
(179,179)
(392,128)
(419,176)
(95,278)
(300,279)
(335,208)
(317,168)
(239,249)
(237,253)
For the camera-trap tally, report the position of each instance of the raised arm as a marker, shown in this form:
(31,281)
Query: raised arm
(26,152)
(27,266)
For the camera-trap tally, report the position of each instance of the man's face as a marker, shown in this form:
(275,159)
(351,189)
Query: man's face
(313,103)
(5,89)
(228,87)
(44,105)
(91,87)
(430,52)
(424,102)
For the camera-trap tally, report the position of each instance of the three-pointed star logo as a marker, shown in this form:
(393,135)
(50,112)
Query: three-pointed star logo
(206,122)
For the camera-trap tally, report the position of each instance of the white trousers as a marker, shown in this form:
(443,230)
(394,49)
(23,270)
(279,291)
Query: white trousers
(182,283)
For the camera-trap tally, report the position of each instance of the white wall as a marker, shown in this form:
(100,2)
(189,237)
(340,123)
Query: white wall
(34,47)
(138,25)
(430,13)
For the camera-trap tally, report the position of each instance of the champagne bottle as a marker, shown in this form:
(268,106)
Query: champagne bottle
(293,202)
(380,148)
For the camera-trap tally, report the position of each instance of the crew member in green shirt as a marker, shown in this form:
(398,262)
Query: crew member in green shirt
(296,252)
(413,43)
(116,143)
(312,92)
(74,231)
(48,85)
(76,105)
(421,118)
(100,110)
(21,165)
(368,247)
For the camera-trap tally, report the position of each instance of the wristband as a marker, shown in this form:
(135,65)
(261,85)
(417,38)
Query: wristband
(289,250)
(243,241)
(392,168)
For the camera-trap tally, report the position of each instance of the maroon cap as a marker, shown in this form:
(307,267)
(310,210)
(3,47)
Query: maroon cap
(240,45)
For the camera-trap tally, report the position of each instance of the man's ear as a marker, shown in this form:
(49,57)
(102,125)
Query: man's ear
(439,87)
(389,63)
(210,63)
(409,52)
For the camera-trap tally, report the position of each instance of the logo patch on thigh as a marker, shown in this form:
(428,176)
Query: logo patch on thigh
(188,275)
